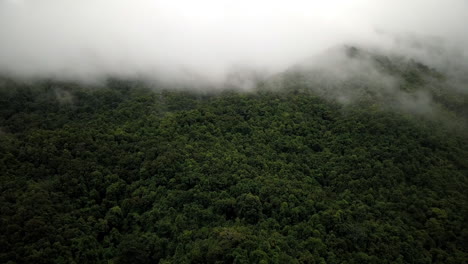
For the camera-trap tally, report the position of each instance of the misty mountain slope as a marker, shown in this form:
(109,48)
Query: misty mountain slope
(127,174)
(348,75)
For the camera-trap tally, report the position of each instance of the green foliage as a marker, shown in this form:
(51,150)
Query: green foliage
(124,174)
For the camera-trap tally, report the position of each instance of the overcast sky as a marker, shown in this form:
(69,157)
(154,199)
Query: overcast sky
(89,38)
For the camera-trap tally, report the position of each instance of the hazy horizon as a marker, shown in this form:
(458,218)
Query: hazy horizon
(206,39)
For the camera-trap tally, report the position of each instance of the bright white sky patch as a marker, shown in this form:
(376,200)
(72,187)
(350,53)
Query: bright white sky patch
(94,37)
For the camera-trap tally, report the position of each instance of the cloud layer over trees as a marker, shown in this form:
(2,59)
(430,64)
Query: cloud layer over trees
(89,39)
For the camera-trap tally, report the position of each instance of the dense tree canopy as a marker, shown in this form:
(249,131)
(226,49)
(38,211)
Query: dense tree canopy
(126,174)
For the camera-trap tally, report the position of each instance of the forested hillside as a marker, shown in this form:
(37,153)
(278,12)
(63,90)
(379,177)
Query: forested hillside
(131,174)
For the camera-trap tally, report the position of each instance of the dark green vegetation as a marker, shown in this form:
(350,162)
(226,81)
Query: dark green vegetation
(131,175)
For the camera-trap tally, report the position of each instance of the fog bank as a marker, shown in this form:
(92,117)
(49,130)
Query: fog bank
(204,40)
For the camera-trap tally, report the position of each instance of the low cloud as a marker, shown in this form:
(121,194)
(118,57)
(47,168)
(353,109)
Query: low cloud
(205,40)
